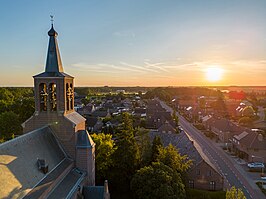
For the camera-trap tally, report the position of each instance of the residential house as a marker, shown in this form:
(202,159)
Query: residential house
(250,145)
(157,115)
(94,124)
(166,128)
(222,128)
(203,174)
(87,110)
(101,113)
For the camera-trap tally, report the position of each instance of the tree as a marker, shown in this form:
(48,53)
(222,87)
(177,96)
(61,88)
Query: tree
(144,143)
(248,111)
(9,124)
(156,145)
(246,121)
(24,107)
(6,99)
(175,117)
(234,193)
(202,102)
(157,181)
(105,148)
(220,105)
(126,157)
(172,158)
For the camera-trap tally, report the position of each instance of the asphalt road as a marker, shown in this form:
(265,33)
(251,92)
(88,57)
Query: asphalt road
(231,172)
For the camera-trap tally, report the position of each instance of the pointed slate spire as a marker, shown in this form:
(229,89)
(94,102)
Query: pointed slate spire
(53,61)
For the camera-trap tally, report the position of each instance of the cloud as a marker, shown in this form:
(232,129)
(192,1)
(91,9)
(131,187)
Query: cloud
(182,72)
(124,34)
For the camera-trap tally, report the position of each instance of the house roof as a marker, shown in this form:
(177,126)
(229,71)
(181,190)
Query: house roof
(91,121)
(100,113)
(225,125)
(18,157)
(254,140)
(241,136)
(206,118)
(166,127)
(185,147)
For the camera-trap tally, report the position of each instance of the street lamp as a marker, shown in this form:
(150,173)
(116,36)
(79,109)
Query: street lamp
(262,169)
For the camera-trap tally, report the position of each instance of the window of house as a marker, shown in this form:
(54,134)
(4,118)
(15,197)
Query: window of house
(212,185)
(191,184)
(198,172)
(209,173)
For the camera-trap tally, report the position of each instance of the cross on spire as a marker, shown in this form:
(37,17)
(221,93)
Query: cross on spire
(52,19)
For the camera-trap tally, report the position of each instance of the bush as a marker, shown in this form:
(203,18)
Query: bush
(200,194)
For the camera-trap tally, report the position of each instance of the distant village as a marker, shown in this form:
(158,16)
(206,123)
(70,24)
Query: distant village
(236,124)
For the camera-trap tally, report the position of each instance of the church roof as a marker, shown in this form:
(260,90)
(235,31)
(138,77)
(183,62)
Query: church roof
(67,187)
(93,192)
(75,118)
(53,67)
(53,74)
(84,140)
(18,157)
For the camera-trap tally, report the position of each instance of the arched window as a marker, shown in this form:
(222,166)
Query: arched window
(67,96)
(43,96)
(71,98)
(52,96)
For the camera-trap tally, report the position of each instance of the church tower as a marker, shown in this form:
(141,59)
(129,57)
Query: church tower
(54,89)
(54,107)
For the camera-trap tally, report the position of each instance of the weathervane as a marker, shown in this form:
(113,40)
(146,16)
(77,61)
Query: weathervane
(52,19)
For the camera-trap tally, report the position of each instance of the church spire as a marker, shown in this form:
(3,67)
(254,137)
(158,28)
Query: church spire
(53,61)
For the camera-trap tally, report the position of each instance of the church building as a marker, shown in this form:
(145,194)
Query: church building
(55,158)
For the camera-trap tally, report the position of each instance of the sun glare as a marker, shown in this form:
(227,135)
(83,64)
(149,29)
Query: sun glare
(214,74)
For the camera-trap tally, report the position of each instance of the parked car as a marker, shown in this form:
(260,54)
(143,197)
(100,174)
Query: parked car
(180,129)
(256,165)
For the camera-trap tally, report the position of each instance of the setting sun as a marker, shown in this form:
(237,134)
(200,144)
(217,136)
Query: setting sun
(214,74)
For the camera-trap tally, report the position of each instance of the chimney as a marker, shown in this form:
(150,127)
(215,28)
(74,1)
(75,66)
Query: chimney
(106,190)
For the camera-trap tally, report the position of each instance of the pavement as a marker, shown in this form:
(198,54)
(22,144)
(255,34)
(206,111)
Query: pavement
(232,168)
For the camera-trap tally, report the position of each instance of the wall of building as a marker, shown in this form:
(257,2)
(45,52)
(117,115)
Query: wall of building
(202,175)
(63,128)
(86,162)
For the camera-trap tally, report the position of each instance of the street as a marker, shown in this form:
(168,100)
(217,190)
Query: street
(234,174)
